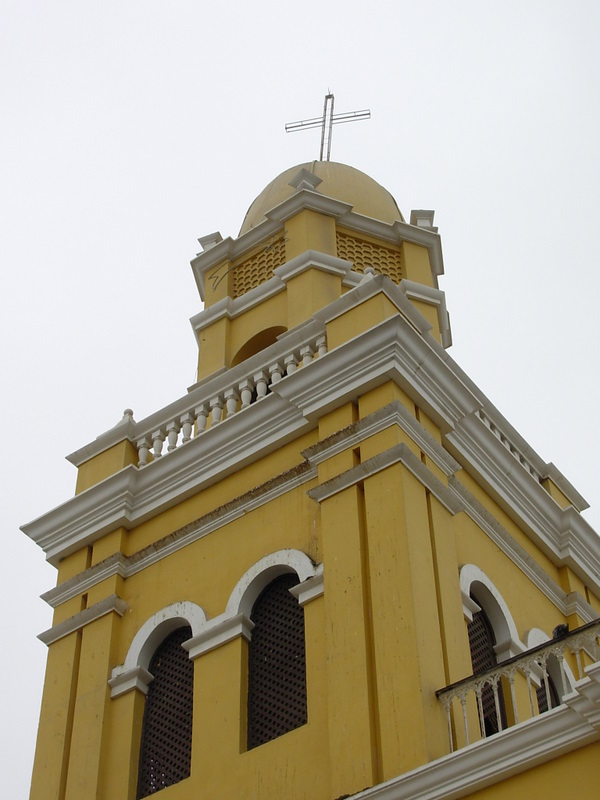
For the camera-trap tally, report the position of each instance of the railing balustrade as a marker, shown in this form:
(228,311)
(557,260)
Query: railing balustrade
(534,667)
(227,402)
(510,446)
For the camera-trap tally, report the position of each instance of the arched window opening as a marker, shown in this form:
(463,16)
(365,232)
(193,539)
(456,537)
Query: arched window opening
(166,747)
(276,663)
(258,342)
(483,657)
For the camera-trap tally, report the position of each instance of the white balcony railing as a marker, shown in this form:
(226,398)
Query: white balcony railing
(219,399)
(535,667)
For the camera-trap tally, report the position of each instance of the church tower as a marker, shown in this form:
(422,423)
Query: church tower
(331,568)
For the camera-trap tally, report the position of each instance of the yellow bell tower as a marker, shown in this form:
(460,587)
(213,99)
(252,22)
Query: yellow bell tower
(331,568)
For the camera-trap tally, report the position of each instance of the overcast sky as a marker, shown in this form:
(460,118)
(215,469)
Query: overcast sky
(131,128)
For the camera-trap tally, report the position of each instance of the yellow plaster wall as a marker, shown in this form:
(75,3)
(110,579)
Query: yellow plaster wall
(104,464)
(309,230)
(359,319)
(416,263)
(569,775)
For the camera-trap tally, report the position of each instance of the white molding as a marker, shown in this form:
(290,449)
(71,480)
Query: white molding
(392,414)
(137,679)
(209,634)
(400,453)
(126,566)
(576,604)
(83,618)
(313,259)
(492,760)
(399,349)
(508,642)
(511,548)
(133,673)
(397,232)
(311,588)
(562,534)
(261,573)
(433,297)
(218,632)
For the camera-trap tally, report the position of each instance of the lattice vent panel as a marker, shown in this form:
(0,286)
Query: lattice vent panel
(276,664)
(258,268)
(384,260)
(165,754)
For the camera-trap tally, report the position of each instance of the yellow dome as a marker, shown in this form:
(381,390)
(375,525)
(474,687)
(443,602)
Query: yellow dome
(339,181)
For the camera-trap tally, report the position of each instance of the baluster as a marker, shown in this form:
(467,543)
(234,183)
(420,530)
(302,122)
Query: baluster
(321,345)
(261,382)
(276,373)
(246,388)
(201,413)
(172,434)
(231,401)
(563,674)
(527,672)
(462,696)
(543,660)
(511,680)
(290,363)
(158,437)
(143,447)
(478,695)
(494,681)
(216,407)
(447,701)
(187,423)
(306,354)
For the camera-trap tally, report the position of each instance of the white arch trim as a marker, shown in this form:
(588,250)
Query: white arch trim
(133,673)
(473,579)
(235,620)
(208,634)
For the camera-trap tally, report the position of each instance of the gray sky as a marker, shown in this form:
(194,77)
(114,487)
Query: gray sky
(131,128)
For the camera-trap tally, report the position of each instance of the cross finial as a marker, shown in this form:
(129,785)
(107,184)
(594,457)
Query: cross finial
(326,122)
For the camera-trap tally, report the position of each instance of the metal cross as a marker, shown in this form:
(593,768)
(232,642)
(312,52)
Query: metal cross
(326,122)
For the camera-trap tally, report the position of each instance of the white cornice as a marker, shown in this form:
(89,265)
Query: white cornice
(312,259)
(392,414)
(126,566)
(396,233)
(398,349)
(399,454)
(77,621)
(490,761)
(562,534)
(433,297)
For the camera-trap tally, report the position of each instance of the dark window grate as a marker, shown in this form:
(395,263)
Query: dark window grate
(276,664)
(483,656)
(166,749)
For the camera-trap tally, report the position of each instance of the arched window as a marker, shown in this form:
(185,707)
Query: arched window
(276,663)
(166,747)
(483,656)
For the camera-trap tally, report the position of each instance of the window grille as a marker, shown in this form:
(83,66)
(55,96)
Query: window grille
(166,748)
(483,656)
(276,664)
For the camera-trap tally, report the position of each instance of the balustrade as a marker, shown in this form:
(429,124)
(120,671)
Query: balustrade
(218,408)
(534,668)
